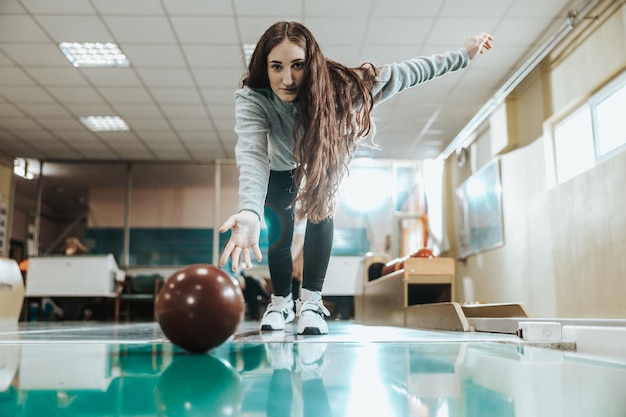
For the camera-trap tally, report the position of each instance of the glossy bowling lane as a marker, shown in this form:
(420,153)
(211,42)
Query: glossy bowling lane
(70,369)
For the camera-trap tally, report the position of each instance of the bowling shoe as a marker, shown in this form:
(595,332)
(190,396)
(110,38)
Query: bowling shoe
(280,355)
(278,313)
(310,360)
(311,312)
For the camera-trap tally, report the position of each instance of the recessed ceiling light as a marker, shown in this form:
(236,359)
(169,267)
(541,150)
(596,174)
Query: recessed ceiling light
(94,54)
(104,123)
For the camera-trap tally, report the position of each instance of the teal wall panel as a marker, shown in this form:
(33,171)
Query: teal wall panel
(183,246)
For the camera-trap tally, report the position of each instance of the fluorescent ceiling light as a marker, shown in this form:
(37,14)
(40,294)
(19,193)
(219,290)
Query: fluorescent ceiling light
(248,49)
(28,169)
(104,123)
(94,54)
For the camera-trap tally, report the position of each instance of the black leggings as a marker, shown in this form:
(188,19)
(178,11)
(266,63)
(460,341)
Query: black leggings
(318,239)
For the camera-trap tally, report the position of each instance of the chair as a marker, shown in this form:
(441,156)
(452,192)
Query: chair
(140,289)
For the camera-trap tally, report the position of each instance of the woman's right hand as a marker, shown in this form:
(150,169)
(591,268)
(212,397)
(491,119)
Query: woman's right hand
(246,229)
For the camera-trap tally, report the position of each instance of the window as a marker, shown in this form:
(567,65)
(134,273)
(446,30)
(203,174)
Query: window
(573,144)
(592,133)
(611,122)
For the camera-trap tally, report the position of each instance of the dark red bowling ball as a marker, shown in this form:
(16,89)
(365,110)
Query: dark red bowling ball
(200,307)
(198,385)
(424,253)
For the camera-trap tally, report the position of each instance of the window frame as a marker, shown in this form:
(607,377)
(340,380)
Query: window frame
(592,102)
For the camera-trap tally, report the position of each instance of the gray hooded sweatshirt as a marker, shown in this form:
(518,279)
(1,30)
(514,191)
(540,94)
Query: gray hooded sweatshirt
(264,123)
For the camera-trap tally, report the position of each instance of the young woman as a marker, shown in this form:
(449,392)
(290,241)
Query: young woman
(299,118)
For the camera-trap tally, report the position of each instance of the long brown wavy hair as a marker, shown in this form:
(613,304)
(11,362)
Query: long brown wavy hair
(334,108)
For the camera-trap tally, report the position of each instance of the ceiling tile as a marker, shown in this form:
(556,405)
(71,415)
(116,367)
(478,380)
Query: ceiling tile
(219,95)
(251,28)
(330,8)
(14,76)
(165,77)
(18,123)
(420,114)
(50,146)
(382,55)
(406,8)
(211,56)
(112,77)
(182,111)
(72,136)
(210,142)
(194,136)
(432,91)
(176,95)
(9,110)
(169,146)
(202,30)
(48,55)
(20,28)
(137,154)
(217,77)
(90,146)
(170,155)
(4,59)
(150,136)
(75,28)
(520,31)
(57,6)
(125,95)
(60,123)
(144,125)
(25,94)
(346,54)
(224,124)
(76,94)
(85,142)
(123,7)
(11,6)
(142,111)
(454,31)
(542,8)
(229,136)
(398,31)
(125,137)
(268,9)
(182,125)
(199,8)
(475,8)
(90,109)
(501,57)
(136,29)
(15,146)
(221,111)
(57,76)
(141,55)
(99,154)
(338,31)
(482,79)
(204,151)
(430,49)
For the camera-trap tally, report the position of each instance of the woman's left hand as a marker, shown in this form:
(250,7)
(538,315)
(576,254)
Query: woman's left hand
(478,44)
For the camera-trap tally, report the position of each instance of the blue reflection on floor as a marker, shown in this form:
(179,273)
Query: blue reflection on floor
(86,369)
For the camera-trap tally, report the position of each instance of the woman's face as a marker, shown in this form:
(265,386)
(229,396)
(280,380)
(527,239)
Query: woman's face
(285,69)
